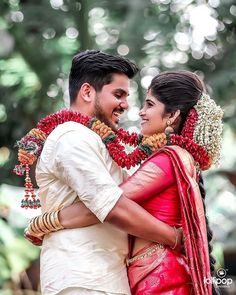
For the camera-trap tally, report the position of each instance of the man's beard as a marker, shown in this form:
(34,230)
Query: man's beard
(99,114)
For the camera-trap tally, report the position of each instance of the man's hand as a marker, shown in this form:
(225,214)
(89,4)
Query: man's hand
(37,241)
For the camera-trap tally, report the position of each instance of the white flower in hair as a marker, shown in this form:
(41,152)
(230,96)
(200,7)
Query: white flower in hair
(209,127)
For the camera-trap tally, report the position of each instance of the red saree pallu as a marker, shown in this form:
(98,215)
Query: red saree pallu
(193,220)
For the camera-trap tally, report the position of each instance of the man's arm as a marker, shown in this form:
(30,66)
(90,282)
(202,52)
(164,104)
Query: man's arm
(126,215)
(81,167)
(130,217)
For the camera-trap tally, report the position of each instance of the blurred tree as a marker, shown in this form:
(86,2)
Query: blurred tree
(38,40)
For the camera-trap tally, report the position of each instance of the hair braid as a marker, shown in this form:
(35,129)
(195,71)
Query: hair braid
(215,289)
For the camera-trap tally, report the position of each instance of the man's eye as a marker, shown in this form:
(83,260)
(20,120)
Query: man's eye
(118,96)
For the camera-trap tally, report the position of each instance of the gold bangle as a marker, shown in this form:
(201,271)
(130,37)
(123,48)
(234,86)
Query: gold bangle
(52,221)
(48,221)
(57,221)
(176,238)
(44,222)
(33,227)
(37,225)
(42,226)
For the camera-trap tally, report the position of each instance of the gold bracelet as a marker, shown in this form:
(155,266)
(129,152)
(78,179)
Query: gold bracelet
(48,221)
(176,238)
(45,223)
(57,221)
(42,225)
(37,225)
(31,227)
(52,221)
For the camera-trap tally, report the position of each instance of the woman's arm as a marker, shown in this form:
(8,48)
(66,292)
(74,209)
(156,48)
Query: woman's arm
(77,215)
(151,178)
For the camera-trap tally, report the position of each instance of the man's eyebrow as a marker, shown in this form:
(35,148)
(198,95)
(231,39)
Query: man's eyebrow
(122,91)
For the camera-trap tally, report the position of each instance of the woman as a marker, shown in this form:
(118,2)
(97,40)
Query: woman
(169,186)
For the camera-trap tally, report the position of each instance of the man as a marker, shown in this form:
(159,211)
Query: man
(75,165)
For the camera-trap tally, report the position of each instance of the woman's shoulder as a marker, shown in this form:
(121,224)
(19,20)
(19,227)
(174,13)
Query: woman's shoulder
(161,159)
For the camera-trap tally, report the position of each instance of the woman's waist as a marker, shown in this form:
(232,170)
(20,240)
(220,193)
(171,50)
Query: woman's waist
(139,243)
(151,251)
(144,249)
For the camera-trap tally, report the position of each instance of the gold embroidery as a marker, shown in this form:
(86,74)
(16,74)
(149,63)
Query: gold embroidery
(147,253)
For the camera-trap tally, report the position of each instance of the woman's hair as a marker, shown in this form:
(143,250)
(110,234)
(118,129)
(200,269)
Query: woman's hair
(215,290)
(181,90)
(177,90)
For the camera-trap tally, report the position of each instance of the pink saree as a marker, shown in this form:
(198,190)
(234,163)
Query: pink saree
(165,185)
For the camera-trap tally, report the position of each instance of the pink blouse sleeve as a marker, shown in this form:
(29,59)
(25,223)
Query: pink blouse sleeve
(154,176)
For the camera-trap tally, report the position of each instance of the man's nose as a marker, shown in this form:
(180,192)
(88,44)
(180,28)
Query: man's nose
(124,104)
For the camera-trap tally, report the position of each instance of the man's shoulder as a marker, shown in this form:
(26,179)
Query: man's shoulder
(73,130)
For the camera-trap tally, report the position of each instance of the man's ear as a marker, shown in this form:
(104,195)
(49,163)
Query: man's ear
(87,92)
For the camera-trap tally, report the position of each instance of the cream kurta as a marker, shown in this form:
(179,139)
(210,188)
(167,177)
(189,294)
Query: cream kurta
(74,162)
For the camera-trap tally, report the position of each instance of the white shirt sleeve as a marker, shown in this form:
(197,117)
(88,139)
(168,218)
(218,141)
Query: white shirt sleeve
(80,164)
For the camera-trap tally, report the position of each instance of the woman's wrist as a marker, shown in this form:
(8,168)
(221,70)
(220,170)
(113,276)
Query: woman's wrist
(45,224)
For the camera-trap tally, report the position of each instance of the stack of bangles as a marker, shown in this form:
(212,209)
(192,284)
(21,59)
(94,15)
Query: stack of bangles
(44,224)
(49,222)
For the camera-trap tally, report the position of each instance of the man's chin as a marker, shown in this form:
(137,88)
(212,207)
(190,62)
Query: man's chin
(114,126)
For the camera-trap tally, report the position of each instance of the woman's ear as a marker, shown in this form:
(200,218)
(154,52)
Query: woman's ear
(173,116)
(175,120)
(176,114)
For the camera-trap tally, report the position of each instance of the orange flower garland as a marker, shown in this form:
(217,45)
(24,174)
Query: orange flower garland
(31,145)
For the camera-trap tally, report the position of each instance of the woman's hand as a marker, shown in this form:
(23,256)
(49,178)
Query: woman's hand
(37,241)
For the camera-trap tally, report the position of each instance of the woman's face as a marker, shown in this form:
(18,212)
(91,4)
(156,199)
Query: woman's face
(153,116)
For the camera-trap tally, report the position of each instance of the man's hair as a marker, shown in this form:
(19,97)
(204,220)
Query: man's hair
(97,69)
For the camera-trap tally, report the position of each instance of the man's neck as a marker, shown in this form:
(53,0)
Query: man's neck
(81,110)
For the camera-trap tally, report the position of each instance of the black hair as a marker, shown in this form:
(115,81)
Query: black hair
(181,90)
(97,68)
(177,90)
(215,289)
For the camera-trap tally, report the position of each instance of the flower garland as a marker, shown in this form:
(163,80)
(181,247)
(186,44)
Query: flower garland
(31,145)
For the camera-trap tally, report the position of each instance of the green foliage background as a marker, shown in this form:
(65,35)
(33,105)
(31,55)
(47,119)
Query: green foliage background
(39,38)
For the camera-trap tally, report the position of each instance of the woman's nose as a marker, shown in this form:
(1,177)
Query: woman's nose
(141,112)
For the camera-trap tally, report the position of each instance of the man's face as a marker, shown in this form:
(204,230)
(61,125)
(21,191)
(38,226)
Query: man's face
(111,101)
